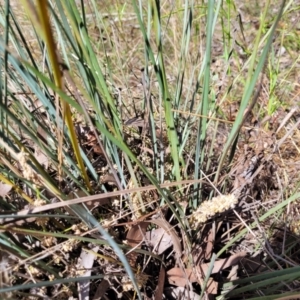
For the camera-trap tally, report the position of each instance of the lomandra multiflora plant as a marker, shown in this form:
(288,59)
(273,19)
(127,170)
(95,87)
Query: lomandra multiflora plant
(110,118)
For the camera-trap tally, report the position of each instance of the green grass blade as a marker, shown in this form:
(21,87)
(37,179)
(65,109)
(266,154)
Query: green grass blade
(249,89)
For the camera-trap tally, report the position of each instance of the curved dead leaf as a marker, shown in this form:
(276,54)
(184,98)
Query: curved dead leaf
(212,287)
(159,240)
(136,234)
(161,282)
(134,237)
(223,263)
(182,277)
(170,231)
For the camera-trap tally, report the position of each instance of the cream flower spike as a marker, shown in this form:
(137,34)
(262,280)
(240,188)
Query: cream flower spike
(210,208)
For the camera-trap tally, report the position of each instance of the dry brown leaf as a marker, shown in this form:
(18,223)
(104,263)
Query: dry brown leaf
(169,230)
(134,237)
(161,282)
(136,234)
(212,287)
(92,142)
(97,149)
(181,277)
(164,237)
(159,239)
(101,289)
(108,178)
(233,274)
(223,263)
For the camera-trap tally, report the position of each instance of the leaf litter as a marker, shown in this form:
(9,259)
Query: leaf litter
(263,163)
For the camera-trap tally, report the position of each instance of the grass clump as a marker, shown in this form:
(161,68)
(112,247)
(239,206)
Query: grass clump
(148,149)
